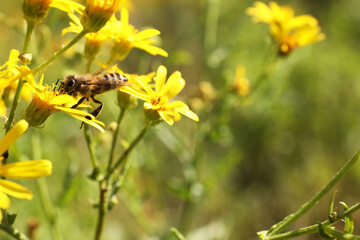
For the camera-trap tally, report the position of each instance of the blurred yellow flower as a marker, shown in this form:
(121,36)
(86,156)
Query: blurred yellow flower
(126,37)
(240,83)
(289,31)
(10,73)
(47,100)
(93,40)
(97,13)
(36,10)
(157,98)
(28,169)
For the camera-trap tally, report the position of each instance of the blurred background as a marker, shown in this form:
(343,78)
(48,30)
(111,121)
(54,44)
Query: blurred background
(246,165)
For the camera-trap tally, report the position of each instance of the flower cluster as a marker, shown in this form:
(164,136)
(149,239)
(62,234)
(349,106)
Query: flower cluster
(47,100)
(288,30)
(124,36)
(26,169)
(10,73)
(157,99)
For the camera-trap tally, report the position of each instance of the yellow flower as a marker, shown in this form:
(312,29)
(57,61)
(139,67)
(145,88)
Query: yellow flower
(241,84)
(10,73)
(289,31)
(93,40)
(97,13)
(47,101)
(157,98)
(36,10)
(18,170)
(127,37)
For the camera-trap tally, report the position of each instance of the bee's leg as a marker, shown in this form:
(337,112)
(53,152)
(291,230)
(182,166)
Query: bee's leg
(96,112)
(79,102)
(56,84)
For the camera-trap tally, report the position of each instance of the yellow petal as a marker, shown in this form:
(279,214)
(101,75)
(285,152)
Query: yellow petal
(188,113)
(11,136)
(135,92)
(173,86)
(62,99)
(4,201)
(148,33)
(28,169)
(14,189)
(150,49)
(124,17)
(166,118)
(160,78)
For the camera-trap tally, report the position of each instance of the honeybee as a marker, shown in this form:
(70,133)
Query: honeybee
(90,85)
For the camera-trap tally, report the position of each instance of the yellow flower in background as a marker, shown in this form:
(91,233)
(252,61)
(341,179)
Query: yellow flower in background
(18,170)
(157,96)
(126,37)
(36,10)
(97,13)
(10,73)
(93,40)
(240,83)
(288,30)
(47,101)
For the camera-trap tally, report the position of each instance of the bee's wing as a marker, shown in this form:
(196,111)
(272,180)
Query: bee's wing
(109,83)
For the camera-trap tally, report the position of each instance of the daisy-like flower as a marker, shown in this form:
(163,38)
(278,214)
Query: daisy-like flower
(93,40)
(157,97)
(288,30)
(18,170)
(240,83)
(47,100)
(97,13)
(10,73)
(36,10)
(126,37)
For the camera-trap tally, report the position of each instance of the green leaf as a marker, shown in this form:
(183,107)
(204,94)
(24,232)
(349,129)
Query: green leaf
(349,223)
(178,234)
(322,232)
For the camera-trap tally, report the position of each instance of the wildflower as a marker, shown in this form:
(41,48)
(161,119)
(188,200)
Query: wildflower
(126,37)
(28,169)
(240,83)
(97,13)
(93,40)
(157,99)
(47,101)
(36,10)
(10,73)
(289,31)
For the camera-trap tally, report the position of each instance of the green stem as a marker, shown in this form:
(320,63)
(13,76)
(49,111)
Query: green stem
(102,209)
(115,137)
(29,30)
(43,190)
(13,232)
(128,150)
(279,227)
(91,147)
(212,16)
(14,104)
(313,228)
(48,208)
(60,52)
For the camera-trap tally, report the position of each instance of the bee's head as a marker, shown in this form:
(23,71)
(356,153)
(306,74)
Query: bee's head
(69,84)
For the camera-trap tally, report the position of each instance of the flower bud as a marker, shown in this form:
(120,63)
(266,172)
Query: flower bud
(97,13)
